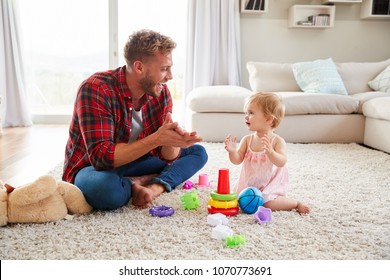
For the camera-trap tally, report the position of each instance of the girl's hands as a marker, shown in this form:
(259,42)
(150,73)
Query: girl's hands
(268,149)
(230,144)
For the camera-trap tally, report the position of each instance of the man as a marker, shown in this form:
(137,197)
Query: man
(122,141)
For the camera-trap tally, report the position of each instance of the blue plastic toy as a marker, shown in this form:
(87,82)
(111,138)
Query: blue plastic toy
(250,199)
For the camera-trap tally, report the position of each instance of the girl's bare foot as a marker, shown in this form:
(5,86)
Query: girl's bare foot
(141,196)
(302,208)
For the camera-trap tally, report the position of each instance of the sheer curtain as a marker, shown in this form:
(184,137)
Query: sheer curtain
(213,43)
(15,109)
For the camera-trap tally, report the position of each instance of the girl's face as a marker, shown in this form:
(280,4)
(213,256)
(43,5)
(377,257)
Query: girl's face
(256,120)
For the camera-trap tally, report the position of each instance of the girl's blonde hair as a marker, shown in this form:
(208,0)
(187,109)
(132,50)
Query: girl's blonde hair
(270,103)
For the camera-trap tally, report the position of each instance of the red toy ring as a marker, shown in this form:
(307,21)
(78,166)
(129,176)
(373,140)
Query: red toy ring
(161,211)
(227,212)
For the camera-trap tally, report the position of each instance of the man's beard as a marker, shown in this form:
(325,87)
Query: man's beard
(149,86)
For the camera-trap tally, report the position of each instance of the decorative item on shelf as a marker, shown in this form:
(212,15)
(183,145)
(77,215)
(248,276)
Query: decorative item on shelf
(222,200)
(254,6)
(305,22)
(311,16)
(319,20)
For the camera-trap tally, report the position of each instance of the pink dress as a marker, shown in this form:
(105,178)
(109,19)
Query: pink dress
(258,171)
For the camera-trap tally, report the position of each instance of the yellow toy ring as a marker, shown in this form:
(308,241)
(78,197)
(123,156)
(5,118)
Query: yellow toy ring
(223,204)
(219,196)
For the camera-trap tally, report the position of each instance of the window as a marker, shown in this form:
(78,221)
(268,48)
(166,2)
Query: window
(65,41)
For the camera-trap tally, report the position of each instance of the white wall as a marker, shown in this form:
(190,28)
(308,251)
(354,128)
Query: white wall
(267,37)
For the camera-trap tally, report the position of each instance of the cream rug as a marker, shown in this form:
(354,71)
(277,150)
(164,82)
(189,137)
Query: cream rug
(346,185)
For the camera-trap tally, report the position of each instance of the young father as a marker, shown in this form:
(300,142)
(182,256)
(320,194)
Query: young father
(122,141)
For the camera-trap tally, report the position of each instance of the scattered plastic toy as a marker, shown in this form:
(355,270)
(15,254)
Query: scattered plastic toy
(161,211)
(223,204)
(223,197)
(190,200)
(235,240)
(221,232)
(203,181)
(227,212)
(217,219)
(188,185)
(250,199)
(263,215)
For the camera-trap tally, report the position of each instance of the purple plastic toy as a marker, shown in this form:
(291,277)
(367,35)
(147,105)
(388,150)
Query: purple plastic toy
(161,211)
(263,215)
(188,185)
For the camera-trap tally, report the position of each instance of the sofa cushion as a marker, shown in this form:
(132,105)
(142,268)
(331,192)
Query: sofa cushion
(356,75)
(363,97)
(272,77)
(382,81)
(318,76)
(377,108)
(302,103)
(218,99)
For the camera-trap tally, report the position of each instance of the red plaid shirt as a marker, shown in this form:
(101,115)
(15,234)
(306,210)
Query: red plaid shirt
(102,118)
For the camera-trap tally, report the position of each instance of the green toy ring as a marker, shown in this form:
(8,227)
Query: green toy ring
(222,197)
(223,204)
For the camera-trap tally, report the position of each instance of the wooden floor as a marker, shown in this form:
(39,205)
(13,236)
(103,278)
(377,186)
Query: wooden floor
(29,152)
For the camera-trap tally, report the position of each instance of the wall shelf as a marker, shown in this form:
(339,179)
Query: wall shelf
(345,2)
(254,7)
(375,9)
(311,16)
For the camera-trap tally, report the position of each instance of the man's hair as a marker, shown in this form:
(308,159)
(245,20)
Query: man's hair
(270,103)
(144,44)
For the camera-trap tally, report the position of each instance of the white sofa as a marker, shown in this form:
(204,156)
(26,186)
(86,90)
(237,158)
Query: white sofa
(362,115)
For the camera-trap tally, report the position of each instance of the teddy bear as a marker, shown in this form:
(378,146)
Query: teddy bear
(44,200)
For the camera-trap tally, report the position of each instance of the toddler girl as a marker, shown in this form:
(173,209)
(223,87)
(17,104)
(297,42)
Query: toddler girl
(263,153)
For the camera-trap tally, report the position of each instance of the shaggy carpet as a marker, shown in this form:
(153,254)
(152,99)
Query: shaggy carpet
(346,185)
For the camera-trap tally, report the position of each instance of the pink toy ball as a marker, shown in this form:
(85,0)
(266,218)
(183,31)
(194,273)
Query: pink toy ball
(250,199)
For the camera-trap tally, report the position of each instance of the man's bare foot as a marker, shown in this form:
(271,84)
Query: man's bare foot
(141,196)
(142,180)
(303,208)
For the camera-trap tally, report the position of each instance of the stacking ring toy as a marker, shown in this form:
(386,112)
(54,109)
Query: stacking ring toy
(223,204)
(226,212)
(161,211)
(218,196)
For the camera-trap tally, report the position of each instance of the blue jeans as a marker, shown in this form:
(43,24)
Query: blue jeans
(111,189)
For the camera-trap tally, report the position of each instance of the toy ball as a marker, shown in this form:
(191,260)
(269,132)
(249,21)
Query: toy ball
(250,199)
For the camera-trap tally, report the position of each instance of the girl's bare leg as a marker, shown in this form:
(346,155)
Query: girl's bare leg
(285,204)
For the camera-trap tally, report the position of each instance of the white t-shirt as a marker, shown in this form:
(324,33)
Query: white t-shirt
(136,125)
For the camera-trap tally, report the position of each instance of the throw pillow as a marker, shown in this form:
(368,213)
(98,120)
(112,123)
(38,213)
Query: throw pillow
(382,81)
(319,76)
